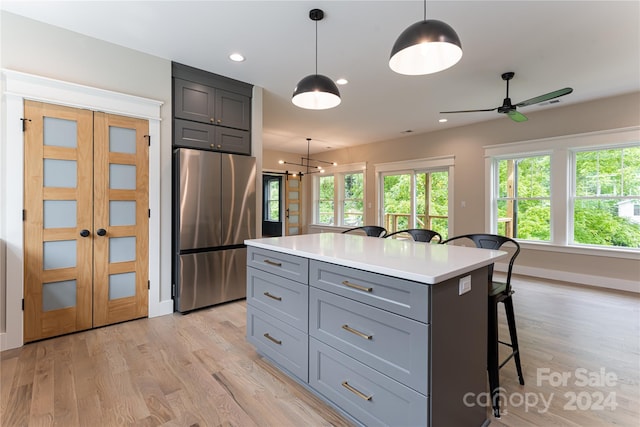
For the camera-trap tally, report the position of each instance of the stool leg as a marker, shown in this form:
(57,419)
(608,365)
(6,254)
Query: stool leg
(511,320)
(492,355)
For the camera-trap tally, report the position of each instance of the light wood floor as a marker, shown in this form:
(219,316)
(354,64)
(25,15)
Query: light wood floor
(198,370)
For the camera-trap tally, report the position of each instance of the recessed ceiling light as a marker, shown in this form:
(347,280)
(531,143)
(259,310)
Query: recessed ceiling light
(443,120)
(236,57)
(342,81)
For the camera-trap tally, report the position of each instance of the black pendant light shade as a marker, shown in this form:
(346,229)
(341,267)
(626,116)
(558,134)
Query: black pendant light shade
(425,47)
(316,92)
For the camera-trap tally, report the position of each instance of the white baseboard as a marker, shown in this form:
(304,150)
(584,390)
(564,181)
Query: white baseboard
(568,276)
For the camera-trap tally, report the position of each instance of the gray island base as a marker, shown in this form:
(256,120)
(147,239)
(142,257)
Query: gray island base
(389,332)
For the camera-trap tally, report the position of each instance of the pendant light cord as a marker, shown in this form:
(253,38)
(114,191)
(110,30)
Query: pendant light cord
(425,10)
(316,47)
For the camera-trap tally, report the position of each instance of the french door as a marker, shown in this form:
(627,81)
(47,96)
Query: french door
(85,219)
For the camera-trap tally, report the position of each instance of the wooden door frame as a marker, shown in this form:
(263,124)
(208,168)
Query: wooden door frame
(20,86)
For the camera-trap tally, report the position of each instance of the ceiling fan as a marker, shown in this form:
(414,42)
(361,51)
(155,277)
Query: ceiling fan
(510,109)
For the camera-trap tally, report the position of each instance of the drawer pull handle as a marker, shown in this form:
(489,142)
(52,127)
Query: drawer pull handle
(267,294)
(355,391)
(356,332)
(358,287)
(276,264)
(272,339)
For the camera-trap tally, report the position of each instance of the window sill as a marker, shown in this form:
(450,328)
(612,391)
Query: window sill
(628,253)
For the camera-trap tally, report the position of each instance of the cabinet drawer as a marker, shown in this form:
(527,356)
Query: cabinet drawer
(193,135)
(282,298)
(403,297)
(232,140)
(283,343)
(348,384)
(392,344)
(285,265)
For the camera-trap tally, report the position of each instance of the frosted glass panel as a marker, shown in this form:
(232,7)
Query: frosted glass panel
(122,249)
(59,213)
(294,207)
(122,213)
(122,285)
(293,195)
(293,218)
(57,295)
(60,132)
(61,254)
(122,140)
(293,183)
(122,177)
(60,173)
(293,230)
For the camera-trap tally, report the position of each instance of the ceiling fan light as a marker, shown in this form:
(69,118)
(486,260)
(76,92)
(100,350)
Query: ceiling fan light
(425,47)
(316,92)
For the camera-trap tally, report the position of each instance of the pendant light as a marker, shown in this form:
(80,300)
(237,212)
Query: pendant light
(426,47)
(316,92)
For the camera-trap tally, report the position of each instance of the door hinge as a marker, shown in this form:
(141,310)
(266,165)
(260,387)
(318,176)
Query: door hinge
(173,290)
(22,304)
(148,284)
(24,214)
(149,213)
(24,124)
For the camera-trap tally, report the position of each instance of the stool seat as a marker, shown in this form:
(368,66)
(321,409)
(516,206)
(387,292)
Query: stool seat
(498,288)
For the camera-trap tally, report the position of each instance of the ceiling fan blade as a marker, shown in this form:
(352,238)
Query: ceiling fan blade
(517,116)
(468,111)
(551,95)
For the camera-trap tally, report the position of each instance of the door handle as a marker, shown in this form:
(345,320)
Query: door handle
(85,233)
(101,232)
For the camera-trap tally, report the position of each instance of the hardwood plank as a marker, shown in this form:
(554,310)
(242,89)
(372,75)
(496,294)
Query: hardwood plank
(198,369)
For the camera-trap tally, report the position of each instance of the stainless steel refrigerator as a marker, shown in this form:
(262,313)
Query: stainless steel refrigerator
(214,204)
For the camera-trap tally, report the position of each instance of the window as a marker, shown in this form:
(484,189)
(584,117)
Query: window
(416,194)
(524,197)
(325,200)
(606,195)
(353,204)
(272,197)
(339,198)
(578,191)
(416,200)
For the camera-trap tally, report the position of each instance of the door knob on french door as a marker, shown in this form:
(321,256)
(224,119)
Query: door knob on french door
(101,232)
(85,233)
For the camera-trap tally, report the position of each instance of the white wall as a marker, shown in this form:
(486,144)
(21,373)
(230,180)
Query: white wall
(31,47)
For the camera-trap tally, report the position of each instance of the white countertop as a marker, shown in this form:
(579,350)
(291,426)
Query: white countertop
(406,259)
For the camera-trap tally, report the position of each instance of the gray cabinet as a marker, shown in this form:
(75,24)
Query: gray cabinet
(205,104)
(364,393)
(392,345)
(206,137)
(384,350)
(278,307)
(210,112)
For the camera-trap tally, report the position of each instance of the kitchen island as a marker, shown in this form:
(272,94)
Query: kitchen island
(389,332)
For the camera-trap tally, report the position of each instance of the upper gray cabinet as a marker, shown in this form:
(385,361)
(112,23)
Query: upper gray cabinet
(205,104)
(210,112)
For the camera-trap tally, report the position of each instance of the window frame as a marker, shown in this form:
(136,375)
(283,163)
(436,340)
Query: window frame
(426,165)
(562,177)
(338,173)
(266,181)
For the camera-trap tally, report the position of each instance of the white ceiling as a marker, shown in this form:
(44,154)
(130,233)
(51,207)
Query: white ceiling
(591,46)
